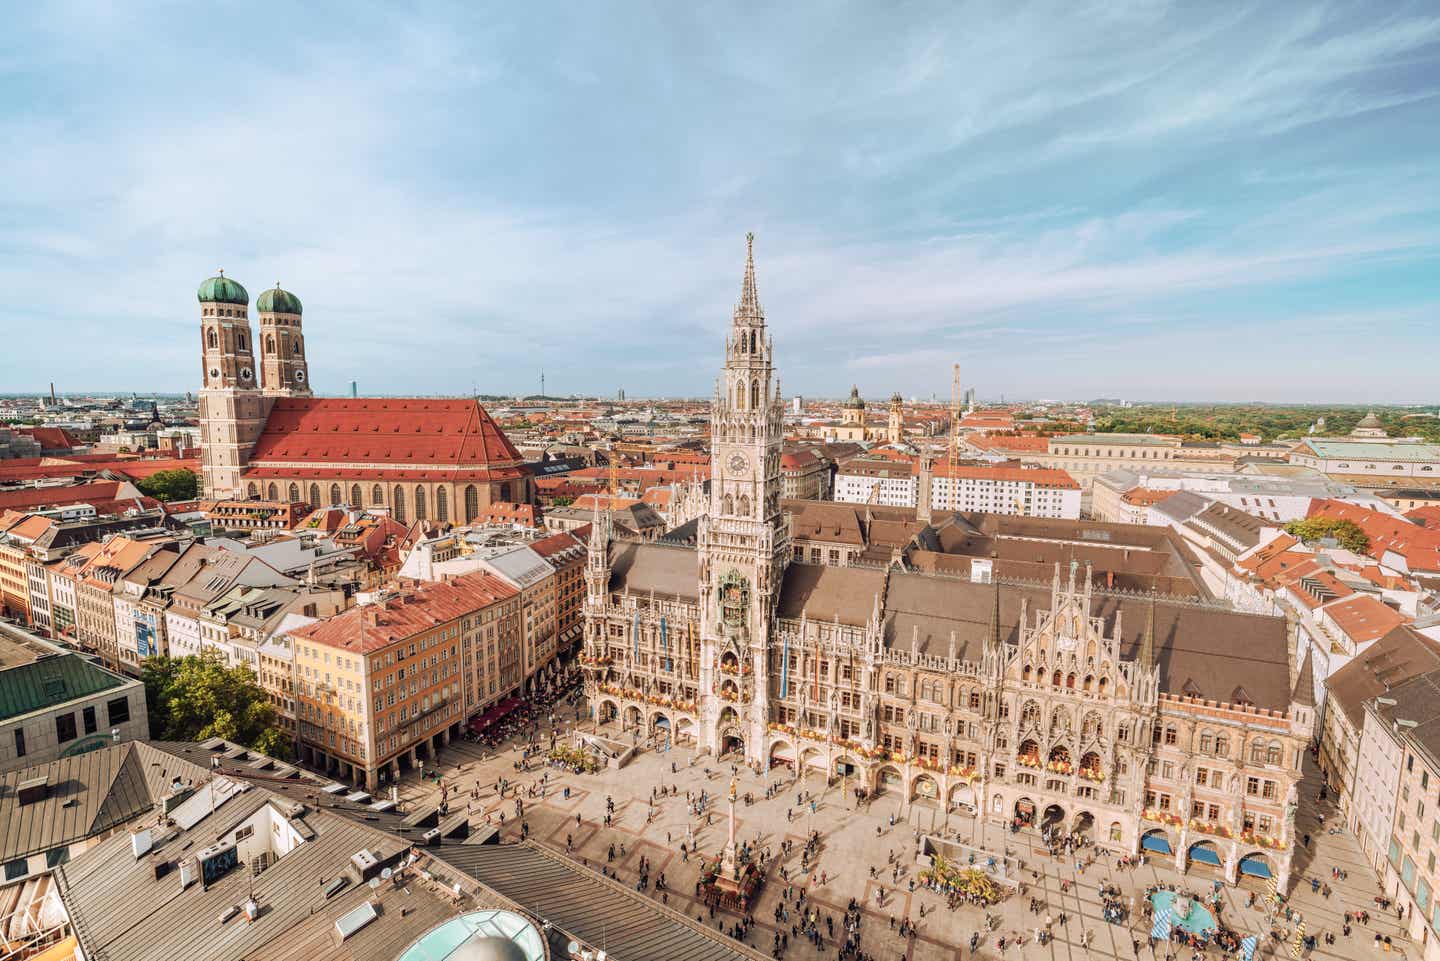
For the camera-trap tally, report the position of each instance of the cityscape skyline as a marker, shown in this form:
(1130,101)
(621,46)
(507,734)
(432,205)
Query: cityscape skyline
(1061,211)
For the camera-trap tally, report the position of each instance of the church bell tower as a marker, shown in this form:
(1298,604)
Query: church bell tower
(744,541)
(232,411)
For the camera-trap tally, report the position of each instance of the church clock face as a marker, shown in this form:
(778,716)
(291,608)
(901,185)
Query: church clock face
(738,463)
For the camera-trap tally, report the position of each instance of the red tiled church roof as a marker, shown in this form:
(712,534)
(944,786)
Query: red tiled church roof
(434,435)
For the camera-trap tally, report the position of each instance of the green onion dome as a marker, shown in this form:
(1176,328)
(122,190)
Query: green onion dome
(222,290)
(277,301)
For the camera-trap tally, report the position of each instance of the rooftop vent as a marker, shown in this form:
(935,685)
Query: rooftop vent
(33,790)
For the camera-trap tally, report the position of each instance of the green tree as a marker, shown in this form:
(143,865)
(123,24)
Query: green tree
(198,697)
(1347,533)
(178,484)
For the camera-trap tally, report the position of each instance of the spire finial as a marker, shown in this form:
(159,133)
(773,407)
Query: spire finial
(221,271)
(749,307)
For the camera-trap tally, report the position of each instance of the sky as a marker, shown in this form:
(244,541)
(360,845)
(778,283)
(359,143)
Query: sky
(1146,200)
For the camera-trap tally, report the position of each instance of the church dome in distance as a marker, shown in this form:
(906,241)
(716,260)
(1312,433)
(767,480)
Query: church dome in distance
(1370,420)
(855,400)
(277,301)
(222,290)
(895,398)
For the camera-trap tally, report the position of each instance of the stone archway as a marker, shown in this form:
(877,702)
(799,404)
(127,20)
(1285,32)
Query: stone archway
(1255,870)
(732,745)
(888,778)
(924,790)
(659,723)
(633,717)
(812,760)
(782,754)
(962,798)
(846,767)
(684,730)
(1052,816)
(1083,824)
(606,711)
(1156,841)
(1025,811)
(1206,858)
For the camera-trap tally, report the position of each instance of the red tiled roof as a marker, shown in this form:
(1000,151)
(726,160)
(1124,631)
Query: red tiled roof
(446,435)
(1027,443)
(548,547)
(1041,477)
(1145,496)
(1364,618)
(49,438)
(1420,546)
(97,493)
(417,609)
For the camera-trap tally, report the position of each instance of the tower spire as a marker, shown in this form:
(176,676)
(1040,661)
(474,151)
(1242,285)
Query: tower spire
(1146,657)
(748,311)
(992,636)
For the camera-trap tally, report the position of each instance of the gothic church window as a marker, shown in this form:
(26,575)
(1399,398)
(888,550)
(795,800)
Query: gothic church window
(270,345)
(314,495)
(472,503)
(420,513)
(442,505)
(211,339)
(377,494)
(294,494)
(755,395)
(355,495)
(271,492)
(397,503)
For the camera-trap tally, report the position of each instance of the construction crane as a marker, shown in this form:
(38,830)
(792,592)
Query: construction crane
(956,400)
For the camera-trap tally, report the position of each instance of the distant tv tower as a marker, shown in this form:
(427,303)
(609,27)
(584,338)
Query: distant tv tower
(542,381)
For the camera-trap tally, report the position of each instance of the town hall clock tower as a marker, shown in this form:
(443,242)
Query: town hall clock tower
(744,541)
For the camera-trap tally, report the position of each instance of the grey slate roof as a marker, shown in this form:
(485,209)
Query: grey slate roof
(597,910)
(89,794)
(667,570)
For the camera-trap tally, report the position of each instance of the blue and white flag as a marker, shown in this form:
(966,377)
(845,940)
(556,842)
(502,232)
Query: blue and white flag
(1247,947)
(1160,930)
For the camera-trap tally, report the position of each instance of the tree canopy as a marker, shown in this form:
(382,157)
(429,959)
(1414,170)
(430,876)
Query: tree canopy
(1349,534)
(178,484)
(197,697)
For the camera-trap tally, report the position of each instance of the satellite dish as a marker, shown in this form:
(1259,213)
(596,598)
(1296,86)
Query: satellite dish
(385,873)
(573,948)
(374,884)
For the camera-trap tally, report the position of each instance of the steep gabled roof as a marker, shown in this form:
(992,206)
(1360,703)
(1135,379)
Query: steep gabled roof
(435,434)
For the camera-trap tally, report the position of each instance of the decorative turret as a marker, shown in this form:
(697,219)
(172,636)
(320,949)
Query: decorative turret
(896,427)
(225,326)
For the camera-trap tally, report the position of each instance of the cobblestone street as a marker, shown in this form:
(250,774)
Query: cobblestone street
(855,839)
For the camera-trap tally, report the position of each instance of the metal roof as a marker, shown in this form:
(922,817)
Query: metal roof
(48,681)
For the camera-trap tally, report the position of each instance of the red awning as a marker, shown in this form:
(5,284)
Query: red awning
(480,722)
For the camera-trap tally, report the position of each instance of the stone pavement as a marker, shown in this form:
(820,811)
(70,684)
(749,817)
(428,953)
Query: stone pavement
(855,840)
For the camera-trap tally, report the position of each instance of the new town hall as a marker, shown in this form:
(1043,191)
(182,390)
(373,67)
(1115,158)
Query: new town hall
(1149,722)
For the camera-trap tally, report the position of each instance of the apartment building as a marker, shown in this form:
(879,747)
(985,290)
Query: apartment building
(385,684)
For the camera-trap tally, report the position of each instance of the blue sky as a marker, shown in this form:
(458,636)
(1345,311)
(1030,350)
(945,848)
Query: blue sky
(1137,199)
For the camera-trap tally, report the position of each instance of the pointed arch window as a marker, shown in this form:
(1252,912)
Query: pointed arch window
(272,492)
(442,505)
(334,494)
(420,514)
(270,344)
(744,505)
(740,395)
(251,491)
(727,505)
(294,493)
(355,495)
(314,495)
(242,342)
(212,339)
(397,503)
(472,503)
(755,395)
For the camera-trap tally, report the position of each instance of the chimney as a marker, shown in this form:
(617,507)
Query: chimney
(140,842)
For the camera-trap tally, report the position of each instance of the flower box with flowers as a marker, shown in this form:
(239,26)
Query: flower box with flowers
(1028,760)
(1059,767)
(1092,774)
(930,765)
(964,772)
